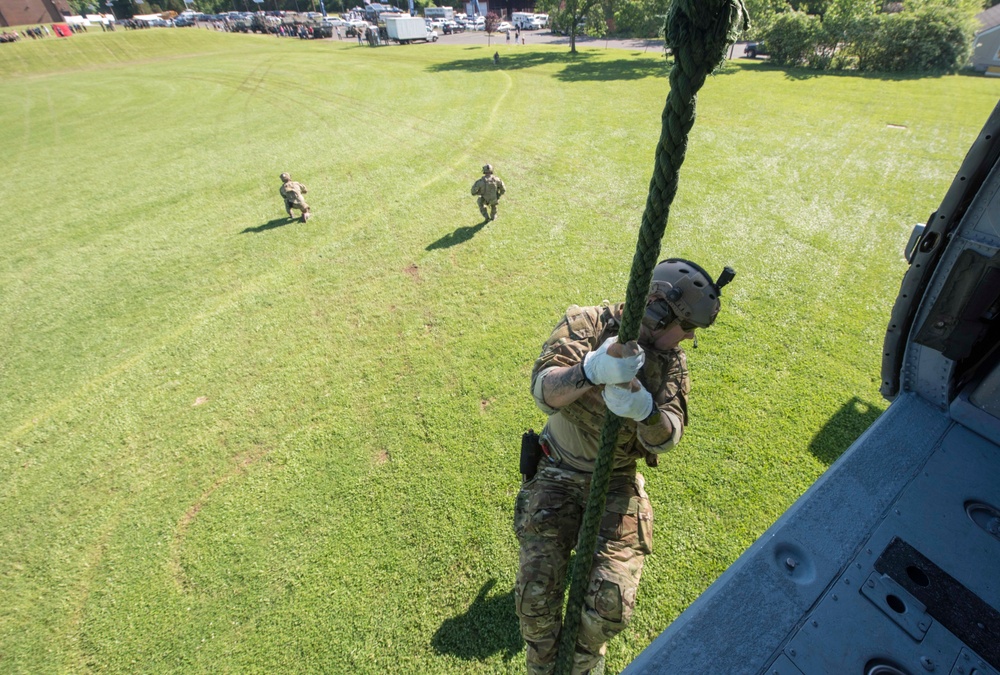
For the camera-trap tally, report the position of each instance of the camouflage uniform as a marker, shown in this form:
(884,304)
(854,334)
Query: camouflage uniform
(489,188)
(292,191)
(549,507)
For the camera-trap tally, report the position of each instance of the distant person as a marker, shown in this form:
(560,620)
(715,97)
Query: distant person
(292,192)
(522,41)
(490,189)
(508,37)
(338,33)
(496,59)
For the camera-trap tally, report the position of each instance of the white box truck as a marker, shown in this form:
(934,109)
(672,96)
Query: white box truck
(405,29)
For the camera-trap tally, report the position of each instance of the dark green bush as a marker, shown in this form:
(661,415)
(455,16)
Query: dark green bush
(792,38)
(934,38)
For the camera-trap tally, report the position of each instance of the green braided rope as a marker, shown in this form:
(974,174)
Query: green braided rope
(698,32)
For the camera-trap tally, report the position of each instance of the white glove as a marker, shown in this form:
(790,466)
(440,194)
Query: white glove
(603,368)
(624,402)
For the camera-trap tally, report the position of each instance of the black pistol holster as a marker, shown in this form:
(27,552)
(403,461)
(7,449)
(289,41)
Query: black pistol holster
(531,454)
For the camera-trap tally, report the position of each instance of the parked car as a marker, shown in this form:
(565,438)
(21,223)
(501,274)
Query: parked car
(504,27)
(754,48)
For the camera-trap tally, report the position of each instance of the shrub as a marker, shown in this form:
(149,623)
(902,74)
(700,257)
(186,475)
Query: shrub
(632,18)
(792,38)
(932,38)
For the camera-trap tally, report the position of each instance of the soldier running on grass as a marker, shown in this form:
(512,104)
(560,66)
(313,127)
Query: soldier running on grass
(490,189)
(292,192)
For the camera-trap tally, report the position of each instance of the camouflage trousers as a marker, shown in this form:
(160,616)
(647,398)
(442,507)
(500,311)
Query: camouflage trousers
(296,202)
(547,519)
(482,208)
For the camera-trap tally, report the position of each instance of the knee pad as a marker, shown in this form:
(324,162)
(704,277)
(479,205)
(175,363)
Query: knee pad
(607,602)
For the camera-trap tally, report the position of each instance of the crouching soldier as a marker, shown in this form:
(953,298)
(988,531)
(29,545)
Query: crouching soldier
(292,192)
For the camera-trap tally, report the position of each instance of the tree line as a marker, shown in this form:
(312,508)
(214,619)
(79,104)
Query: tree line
(866,35)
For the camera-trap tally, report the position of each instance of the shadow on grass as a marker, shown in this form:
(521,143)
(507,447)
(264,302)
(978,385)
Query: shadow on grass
(461,235)
(619,69)
(853,418)
(489,626)
(795,73)
(578,67)
(270,225)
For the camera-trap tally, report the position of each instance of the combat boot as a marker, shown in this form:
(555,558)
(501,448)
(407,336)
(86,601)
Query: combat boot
(305,216)
(485,214)
(493,213)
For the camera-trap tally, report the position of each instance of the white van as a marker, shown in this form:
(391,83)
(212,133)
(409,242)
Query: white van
(523,20)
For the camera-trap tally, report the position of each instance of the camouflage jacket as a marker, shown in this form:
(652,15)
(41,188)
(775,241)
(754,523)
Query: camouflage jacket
(292,189)
(489,187)
(574,432)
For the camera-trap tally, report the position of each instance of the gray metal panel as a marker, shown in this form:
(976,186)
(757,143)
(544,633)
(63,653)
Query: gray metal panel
(852,626)
(848,634)
(926,371)
(737,625)
(984,212)
(925,263)
(985,399)
(931,514)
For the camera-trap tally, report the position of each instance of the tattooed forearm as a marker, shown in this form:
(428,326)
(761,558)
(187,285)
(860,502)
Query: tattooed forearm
(562,386)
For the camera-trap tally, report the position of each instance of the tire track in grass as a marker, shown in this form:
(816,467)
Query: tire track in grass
(467,155)
(243,462)
(53,117)
(92,558)
(303,97)
(258,79)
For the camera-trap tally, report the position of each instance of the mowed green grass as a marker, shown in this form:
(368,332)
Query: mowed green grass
(233,444)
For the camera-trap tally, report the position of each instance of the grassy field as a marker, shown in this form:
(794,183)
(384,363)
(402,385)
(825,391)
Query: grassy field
(233,444)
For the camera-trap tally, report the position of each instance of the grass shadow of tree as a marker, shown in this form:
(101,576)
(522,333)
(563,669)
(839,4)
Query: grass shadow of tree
(460,235)
(846,425)
(489,626)
(802,73)
(521,61)
(269,225)
(617,69)
(577,67)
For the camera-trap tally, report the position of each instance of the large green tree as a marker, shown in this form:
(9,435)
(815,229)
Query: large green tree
(570,16)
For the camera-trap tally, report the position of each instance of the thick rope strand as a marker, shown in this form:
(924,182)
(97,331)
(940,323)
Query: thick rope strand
(698,32)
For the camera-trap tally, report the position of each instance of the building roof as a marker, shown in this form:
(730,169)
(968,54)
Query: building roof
(989,18)
(27,12)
